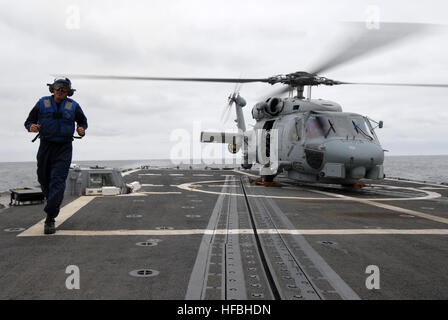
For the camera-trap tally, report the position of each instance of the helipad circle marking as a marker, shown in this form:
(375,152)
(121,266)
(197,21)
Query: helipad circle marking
(429,194)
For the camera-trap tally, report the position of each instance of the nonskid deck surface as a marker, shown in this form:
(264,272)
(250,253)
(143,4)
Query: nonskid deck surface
(214,234)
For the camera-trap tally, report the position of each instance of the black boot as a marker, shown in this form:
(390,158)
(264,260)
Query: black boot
(49,226)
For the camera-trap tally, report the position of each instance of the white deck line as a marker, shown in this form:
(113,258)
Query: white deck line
(332,196)
(238,231)
(66,212)
(388,206)
(417,182)
(129,172)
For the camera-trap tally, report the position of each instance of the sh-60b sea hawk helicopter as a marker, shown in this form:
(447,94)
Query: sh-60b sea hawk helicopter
(313,140)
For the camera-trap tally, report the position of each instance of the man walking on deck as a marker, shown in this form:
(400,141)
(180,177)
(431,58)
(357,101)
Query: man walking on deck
(54,117)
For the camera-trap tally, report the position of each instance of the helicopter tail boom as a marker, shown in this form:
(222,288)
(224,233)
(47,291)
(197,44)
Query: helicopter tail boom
(234,140)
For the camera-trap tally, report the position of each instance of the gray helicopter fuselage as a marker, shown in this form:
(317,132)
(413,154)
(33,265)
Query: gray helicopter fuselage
(317,141)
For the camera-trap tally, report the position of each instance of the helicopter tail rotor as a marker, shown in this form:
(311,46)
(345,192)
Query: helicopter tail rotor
(225,115)
(234,98)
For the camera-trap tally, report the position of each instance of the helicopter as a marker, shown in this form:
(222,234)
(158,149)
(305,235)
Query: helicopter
(311,140)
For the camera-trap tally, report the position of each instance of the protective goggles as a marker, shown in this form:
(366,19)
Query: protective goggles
(61,86)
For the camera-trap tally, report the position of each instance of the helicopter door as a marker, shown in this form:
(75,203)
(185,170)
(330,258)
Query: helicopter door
(291,137)
(263,143)
(267,129)
(278,144)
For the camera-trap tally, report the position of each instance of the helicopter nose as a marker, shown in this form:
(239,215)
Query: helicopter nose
(359,159)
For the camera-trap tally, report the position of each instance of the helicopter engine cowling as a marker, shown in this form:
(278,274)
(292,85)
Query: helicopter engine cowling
(258,111)
(274,106)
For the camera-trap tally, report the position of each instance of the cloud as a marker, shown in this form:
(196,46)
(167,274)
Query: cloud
(207,39)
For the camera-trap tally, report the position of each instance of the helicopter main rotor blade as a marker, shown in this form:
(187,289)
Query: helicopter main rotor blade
(427,85)
(368,41)
(112,77)
(284,89)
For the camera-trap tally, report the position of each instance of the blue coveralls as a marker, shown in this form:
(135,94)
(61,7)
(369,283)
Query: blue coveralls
(57,126)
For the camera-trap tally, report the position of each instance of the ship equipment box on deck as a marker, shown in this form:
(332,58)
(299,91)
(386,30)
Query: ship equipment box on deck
(22,195)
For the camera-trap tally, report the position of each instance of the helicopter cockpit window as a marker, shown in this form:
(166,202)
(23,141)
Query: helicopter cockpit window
(320,127)
(362,128)
(338,126)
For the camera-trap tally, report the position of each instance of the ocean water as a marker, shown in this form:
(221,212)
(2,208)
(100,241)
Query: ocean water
(23,174)
(423,168)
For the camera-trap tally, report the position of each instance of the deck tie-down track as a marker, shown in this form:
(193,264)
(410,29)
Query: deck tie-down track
(259,266)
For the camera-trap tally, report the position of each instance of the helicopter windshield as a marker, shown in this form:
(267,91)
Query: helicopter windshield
(362,128)
(337,126)
(319,126)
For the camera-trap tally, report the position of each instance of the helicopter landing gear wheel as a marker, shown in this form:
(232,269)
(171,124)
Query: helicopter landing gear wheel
(246,166)
(357,185)
(266,181)
(269,178)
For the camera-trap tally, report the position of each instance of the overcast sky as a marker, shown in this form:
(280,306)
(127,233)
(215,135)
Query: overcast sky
(140,120)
